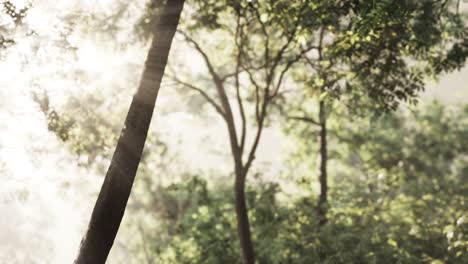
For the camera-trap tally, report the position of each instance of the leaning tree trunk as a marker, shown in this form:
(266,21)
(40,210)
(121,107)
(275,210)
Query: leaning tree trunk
(322,163)
(110,205)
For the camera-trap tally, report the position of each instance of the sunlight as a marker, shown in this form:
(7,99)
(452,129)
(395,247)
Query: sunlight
(330,154)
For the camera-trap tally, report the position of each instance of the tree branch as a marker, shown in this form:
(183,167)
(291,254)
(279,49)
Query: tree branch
(238,36)
(267,36)
(257,90)
(229,117)
(201,92)
(305,119)
(242,69)
(266,97)
(280,53)
(288,66)
(260,121)
(204,55)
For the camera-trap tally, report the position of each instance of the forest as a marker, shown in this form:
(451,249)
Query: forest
(233,131)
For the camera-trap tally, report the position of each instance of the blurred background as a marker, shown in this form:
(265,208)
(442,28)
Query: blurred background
(398,180)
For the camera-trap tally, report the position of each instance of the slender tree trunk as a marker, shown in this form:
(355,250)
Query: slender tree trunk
(112,200)
(322,163)
(240,171)
(243,226)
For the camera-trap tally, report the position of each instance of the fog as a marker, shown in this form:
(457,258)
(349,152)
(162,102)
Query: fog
(45,196)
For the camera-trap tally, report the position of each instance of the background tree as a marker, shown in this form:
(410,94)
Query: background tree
(256,75)
(371,55)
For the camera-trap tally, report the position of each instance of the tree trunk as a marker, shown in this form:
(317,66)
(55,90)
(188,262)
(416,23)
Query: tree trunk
(322,163)
(112,200)
(243,226)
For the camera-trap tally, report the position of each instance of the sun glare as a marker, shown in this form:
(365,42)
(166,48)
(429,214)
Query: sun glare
(86,59)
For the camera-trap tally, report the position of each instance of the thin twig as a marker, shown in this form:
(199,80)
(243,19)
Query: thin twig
(238,36)
(305,119)
(202,93)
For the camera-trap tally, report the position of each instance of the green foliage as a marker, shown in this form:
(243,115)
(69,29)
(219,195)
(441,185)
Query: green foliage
(410,174)
(393,45)
(379,51)
(86,132)
(398,183)
(399,198)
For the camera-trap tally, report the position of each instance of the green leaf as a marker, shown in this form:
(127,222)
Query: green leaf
(323,96)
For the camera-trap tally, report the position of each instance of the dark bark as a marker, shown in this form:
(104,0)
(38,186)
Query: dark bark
(237,148)
(115,191)
(223,107)
(322,163)
(243,225)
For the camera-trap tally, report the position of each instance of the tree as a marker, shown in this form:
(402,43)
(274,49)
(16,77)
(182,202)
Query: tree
(110,205)
(372,55)
(260,64)
(406,177)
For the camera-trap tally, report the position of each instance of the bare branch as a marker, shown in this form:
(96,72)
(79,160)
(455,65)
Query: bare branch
(277,59)
(267,36)
(260,122)
(229,118)
(319,49)
(201,92)
(282,50)
(288,66)
(320,46)
(207,60)
(242,69)
(253,149)
(238,36)
(261,113)
(257,90)
(310,62)
(305,119)
(144,244)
